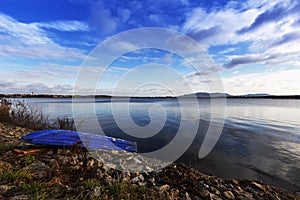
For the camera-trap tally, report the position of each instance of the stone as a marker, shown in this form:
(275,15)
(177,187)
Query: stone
(106,168)
(20,197)
(139,178)
(214,197)
(235,182)
(5,166)
(229,195)
(5,188)
(108,179)
(38,169)
(142,184)
(259,186)
(96,192)
(164,188)
(126,180)
(250,189)
(135,179)
(91,163)
(148,169)
(152,180)
(137,161)
(187,196)
(215,191)
(205,193)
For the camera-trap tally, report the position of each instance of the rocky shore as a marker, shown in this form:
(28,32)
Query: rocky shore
(74,174)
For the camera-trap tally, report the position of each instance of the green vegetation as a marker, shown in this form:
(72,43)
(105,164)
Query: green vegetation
(15,176)
(36,190)
(20,113)
(6,147)
(28,160)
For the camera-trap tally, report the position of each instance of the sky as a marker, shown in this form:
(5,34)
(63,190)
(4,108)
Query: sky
(254,44)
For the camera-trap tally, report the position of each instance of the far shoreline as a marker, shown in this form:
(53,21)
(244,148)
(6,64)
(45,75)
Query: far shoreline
(205,96)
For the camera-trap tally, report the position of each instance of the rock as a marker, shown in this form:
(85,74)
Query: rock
(38,169)
(229,195)
(139,178)
(106,168)
(142,184)
(248,196)
(5,188)
(164,188)
(114,152)
(5,166)
(250,189)
(259,186)
(235,182)
(96,192)
(205,193)
(20,197)
(53,164)
(126,180)
(214,197)
(91,163)
(108,179)
(187,196)
(152,181)
(148,169)
(137,161)
(215,191)
(135,179)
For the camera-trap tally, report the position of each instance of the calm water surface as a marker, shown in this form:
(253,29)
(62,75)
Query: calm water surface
(260,139)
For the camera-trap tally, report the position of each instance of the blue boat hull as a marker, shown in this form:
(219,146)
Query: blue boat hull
(63,138)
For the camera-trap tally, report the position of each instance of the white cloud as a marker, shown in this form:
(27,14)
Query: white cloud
(272,82)
(272,37)
(70,25)
(23,40)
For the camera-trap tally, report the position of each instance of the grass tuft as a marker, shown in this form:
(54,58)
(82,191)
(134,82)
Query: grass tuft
(28,160)
(22,114)
(15,176)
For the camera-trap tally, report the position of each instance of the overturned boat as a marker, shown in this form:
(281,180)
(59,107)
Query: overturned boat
(65,138)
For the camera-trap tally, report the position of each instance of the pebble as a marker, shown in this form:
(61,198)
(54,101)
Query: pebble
(259,186)
(187,196)
(229,195)
(96,192)
(20,197)
(142,184)
(214,197)
(205,193)
(5,188)
(38,169)
(164,188)
(152,180)
(191,183)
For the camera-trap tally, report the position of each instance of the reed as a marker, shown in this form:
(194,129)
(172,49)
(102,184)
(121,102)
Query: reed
(20,113)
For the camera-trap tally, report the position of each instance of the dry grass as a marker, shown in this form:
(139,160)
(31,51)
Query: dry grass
(22,114)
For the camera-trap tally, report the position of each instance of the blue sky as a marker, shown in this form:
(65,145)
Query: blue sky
(255,44)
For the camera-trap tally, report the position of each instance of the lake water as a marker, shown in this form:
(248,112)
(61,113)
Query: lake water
(260,138)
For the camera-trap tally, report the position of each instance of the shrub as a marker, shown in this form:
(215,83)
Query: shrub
(22,114)
(5,107)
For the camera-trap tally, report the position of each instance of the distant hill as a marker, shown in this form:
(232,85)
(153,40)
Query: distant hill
(222,95)
(207,95)
(257,95)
